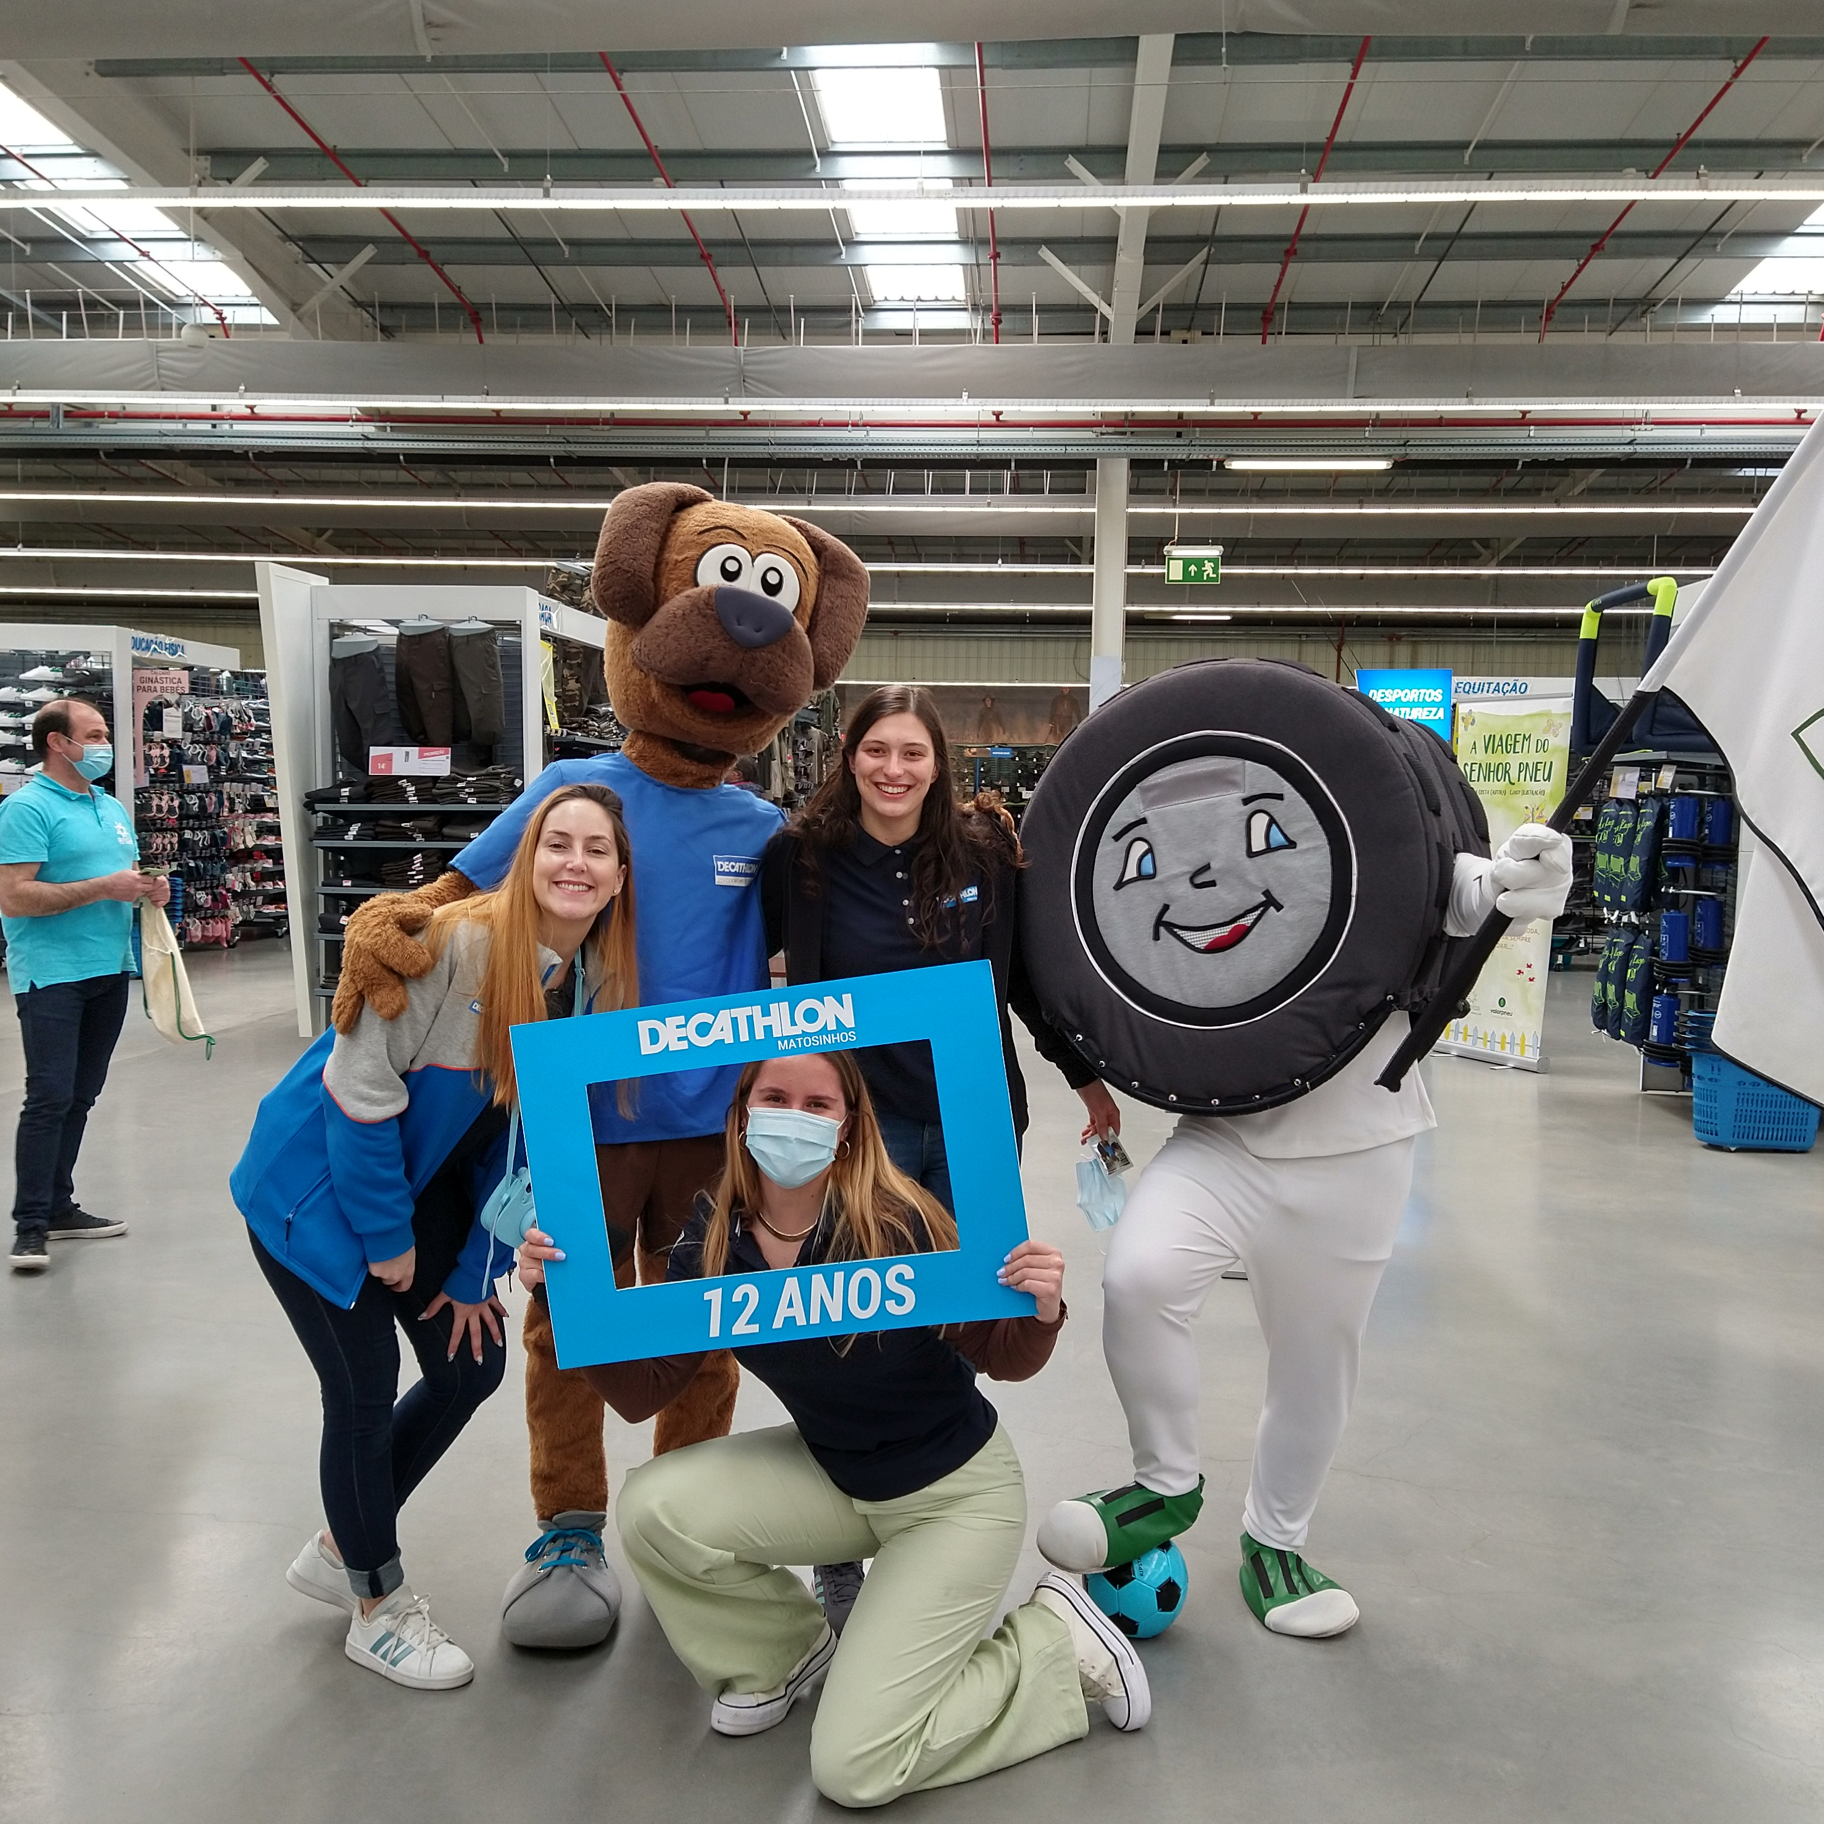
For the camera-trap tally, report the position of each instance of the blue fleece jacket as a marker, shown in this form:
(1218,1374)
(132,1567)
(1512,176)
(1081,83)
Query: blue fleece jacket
(343,1147)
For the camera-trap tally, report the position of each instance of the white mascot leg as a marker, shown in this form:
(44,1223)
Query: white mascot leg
(1315,1235)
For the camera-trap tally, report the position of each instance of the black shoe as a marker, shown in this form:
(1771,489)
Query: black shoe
(30,1255)
(836,1587)
(78,1225)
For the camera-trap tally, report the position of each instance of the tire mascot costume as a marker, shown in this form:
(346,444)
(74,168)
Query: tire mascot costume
(1242,880)
(722,623)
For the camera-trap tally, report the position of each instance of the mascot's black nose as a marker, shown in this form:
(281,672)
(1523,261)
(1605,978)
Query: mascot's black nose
(752,620)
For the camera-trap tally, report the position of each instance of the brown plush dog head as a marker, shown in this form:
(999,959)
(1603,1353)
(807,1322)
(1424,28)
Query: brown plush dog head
(723,621)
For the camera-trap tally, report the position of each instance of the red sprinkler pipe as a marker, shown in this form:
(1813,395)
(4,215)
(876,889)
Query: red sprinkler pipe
(1355,69)
(1551,310)
(994,250)
(639,125)
(391,220)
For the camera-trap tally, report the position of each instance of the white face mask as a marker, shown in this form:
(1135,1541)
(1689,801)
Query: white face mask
(789,1146)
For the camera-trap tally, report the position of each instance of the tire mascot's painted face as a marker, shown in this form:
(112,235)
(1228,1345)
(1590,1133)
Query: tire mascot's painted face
(1213,879)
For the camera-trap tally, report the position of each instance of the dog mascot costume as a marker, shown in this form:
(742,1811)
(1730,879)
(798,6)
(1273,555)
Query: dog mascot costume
(1261,873)
(722,623)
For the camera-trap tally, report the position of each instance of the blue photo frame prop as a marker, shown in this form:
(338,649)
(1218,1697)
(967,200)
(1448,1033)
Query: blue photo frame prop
(952,1007)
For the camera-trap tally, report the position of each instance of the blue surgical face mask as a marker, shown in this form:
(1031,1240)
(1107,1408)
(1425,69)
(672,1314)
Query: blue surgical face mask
(789,1146)
(97,760)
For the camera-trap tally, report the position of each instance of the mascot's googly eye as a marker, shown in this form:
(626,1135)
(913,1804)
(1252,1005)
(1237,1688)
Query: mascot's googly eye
(726,567)
(1265,834)
(1138,864)
(776,579)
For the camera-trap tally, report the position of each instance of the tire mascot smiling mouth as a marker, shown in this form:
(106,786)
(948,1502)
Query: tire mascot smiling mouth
(723,621)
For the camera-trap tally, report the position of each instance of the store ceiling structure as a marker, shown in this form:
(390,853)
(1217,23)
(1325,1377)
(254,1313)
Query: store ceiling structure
(1559,277)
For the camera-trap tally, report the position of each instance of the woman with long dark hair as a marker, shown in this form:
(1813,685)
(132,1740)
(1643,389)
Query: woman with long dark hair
(361,1182)
(885,870)
(892,1453)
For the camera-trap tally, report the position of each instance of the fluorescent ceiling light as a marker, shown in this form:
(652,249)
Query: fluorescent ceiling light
(85,592)
(391,560)
(1315,464)
(1183,614)
(986,505)
(1174,549)
(815,198)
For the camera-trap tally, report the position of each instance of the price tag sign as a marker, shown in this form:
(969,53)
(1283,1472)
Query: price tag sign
(1624,782)
(1667,774)
(408,762)
(196,775)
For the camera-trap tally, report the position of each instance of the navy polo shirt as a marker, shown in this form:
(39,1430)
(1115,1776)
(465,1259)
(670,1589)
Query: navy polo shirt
(870,927)
(886,1412)
(72,836)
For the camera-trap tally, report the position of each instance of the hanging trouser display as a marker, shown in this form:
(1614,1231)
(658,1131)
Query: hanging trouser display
(426,683)
(357,698)
(481,704)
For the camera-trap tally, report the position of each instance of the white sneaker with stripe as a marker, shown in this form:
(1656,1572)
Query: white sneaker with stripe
(400,1641)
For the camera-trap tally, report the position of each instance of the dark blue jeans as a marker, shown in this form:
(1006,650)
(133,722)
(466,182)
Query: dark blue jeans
(375,1452)
(69,1031)
(917,1148)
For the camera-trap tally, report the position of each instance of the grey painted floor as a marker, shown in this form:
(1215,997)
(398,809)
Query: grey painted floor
(1579,1504)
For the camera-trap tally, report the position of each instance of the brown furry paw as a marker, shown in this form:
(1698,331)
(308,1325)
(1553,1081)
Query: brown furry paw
(380,953)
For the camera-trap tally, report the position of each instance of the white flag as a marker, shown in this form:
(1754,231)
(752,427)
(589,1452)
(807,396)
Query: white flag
(1749,660)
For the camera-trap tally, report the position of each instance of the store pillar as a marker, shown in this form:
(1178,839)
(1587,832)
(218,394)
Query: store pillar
(1108,610)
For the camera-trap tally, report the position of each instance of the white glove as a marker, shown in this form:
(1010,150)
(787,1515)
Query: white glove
(1529,877)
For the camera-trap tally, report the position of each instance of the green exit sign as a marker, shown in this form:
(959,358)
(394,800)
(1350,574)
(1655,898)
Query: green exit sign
(1193,563)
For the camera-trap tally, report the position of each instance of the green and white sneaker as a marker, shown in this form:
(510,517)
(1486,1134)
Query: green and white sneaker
(1292,1597)
(1115,1526)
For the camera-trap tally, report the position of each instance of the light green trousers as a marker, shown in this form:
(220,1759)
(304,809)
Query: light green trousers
(915,1696)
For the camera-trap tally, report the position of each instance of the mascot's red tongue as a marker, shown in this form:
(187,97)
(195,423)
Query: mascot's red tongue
(1227,940)
(711,701)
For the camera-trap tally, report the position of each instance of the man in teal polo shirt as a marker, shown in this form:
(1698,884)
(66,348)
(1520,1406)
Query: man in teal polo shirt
(68,886)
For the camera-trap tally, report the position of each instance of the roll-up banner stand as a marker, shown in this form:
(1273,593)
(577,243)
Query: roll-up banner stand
(1515,753)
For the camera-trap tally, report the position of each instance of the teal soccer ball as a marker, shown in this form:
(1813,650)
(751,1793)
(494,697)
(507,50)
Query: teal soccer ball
(1143,1598)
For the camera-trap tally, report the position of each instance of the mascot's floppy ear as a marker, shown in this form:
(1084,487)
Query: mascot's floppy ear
(841,606)
(624,583)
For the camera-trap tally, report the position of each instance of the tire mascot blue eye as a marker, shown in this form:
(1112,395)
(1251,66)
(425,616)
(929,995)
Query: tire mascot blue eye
(1138,863)
(1265,835)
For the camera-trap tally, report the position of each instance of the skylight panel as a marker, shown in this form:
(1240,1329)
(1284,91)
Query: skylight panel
(178,265)
(1788,276)
(882,107)
(904,107)
(917,284)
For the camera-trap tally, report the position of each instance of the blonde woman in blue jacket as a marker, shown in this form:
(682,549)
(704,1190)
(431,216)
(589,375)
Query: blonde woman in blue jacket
(360,1185)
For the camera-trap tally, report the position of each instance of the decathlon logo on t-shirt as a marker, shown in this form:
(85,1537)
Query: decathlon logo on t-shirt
(736,870)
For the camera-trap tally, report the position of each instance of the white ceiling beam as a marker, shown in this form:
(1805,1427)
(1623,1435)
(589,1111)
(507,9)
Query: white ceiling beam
(108,118)
(1152,77)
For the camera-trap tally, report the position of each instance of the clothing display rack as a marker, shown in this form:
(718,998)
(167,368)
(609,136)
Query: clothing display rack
(354,668)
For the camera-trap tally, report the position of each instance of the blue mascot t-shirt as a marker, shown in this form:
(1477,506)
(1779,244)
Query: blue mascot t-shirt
(696,884)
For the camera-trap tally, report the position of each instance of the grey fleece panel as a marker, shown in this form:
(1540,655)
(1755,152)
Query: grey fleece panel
(367,1068)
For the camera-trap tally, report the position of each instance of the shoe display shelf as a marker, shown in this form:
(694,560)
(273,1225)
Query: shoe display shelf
(208,801)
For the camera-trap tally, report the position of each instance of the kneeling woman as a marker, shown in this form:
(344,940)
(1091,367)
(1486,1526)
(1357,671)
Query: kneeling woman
(893,1455)
(360,1185)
